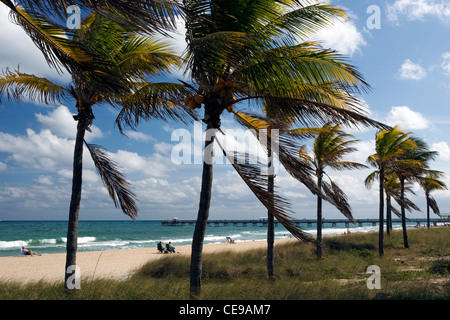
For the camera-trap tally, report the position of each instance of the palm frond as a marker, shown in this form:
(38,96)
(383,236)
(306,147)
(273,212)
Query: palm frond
(304,63)
(18,86)
(141,56)
(161,100)
(370,179)
(147,15)
(303,20)
(284,145)
(118,188)
(311,113)
(251,174)
(434,206)
(338,198)
(51,39)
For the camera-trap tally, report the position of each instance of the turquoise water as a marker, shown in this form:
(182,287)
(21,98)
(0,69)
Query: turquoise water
(47,237)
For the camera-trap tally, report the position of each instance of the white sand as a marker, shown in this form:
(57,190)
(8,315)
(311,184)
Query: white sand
(116,264)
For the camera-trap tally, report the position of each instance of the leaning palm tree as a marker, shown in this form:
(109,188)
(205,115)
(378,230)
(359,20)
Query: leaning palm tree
(389,145)
(126,58)
(411,166)
(430,184)
(330,146)
(392,189)
(246,50)
(279,140)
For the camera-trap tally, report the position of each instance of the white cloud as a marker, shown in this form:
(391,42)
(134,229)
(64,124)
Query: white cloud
(42,150)
(407,118)
(154,165)
(3,166)
(342,36)
(44,179)
(139,136)
(445,65)
(18,49)
(411,71)
(443,149)
(61,122)
(419,10)
(363,150)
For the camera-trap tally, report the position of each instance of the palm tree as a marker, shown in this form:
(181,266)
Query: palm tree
(242,50)
(126,58)
(330,146)
(389,145)
(411,166)
(430,184)
(392,189)
(274,132)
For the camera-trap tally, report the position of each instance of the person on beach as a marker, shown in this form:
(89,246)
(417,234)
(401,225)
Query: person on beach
(170,247)
(160,247)
(229,240)
(24,251)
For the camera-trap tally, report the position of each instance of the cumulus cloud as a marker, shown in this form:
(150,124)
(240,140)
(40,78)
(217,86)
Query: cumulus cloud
(342,36)
(411,71)
(61,122)
(407,118)
(418,10)
(38,150)
(155,165)
(18,49)
(443,149)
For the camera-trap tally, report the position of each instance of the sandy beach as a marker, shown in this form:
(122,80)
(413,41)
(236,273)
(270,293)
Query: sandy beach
(116,264)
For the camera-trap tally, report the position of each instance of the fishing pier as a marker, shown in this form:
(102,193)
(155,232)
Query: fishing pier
(300,222)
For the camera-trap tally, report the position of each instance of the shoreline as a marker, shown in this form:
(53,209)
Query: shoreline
(112,264)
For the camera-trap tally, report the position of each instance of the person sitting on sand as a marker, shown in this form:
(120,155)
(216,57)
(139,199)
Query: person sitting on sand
(229,240)
(26,252)
(160,247)
(170,247)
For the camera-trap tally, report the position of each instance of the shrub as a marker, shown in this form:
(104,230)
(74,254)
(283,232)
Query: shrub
(441,267)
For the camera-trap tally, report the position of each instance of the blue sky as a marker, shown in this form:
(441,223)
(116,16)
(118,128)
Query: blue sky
(406,61)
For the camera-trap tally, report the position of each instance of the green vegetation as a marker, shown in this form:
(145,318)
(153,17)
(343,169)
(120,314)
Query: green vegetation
(420,272)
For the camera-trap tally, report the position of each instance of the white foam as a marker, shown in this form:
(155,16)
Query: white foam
(7,245)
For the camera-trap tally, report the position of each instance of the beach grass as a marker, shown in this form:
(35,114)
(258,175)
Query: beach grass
(419,272)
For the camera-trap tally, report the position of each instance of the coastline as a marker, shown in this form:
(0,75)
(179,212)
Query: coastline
(112,264)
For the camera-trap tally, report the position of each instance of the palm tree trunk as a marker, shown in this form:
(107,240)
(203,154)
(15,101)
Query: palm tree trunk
(402,207)
(428,211)
(270,218)
(388,214)
(319,217)
(381,214)
(203,214)
(72,228)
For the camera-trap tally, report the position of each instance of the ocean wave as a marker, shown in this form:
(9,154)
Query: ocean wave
(15,244)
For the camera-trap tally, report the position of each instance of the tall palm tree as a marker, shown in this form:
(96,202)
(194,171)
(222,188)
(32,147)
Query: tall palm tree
(389,145)
(430,184)
(126,58)
(246,50)
(274,132)
(392,189)
(330,147)
(411,166)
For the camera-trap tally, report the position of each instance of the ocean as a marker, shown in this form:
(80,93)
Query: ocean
(46,237)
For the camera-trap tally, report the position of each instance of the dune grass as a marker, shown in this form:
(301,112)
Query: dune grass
(420,272)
